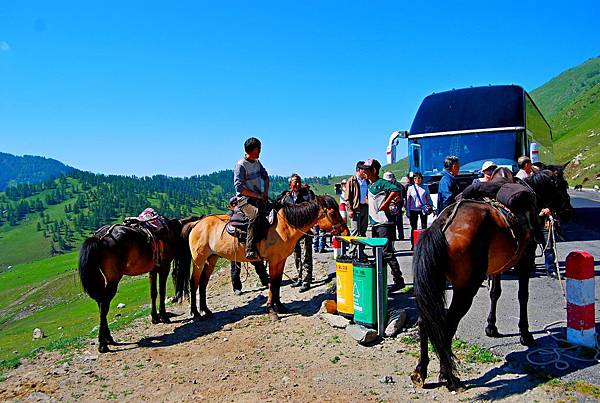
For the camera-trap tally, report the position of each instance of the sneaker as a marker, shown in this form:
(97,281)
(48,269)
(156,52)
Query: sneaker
(237,292)
(305,287)
(297,283)
(393,288)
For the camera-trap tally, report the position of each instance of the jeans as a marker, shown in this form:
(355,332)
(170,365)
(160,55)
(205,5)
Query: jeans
(549,257)
(318,239)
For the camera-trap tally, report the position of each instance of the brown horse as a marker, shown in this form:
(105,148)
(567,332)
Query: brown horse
(465,244)
(208,241)
(118,250)
(527,263)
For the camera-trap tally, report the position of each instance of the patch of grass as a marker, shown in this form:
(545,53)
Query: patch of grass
(472,353)
(335,360)
(582,387)
(410,340)
(52,299)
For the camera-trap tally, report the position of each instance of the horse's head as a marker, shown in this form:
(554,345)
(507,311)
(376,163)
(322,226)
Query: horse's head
(501,174)
(330,219)
(552,190)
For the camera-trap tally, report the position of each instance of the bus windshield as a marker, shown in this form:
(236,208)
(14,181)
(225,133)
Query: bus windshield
(472,149)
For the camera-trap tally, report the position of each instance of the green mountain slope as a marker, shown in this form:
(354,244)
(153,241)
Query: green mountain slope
(29,169)
(563,89)
(571,104)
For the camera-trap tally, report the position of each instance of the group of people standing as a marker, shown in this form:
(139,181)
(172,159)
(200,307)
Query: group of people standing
(365,199)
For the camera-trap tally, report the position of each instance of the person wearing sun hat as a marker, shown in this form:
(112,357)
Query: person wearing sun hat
(487,169)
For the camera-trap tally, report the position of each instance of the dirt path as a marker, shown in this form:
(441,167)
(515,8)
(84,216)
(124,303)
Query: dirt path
(239,355)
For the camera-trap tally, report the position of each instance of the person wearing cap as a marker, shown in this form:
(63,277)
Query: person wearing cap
(525,167)
(448,188)
(303,257)
(487,169)
(251,183)
(381,194)
(399,221)
(355,196)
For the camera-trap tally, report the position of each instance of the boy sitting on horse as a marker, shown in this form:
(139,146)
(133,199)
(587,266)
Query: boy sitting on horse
(251,183)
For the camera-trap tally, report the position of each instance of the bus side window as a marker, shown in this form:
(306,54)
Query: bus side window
(416,156)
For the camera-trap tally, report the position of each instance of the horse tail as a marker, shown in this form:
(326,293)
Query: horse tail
(90,273)
(429,268)
(181,264)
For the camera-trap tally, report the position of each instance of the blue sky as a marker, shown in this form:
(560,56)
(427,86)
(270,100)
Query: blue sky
(146,87)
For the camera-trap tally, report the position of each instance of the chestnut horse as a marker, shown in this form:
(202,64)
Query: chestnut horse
(465,244)
(118,250)
(208,241)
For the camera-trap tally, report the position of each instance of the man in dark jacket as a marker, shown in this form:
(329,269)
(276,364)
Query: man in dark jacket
(296,195)
(448,187)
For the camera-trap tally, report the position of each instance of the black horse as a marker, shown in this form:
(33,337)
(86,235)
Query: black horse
(466,243)
(118,250)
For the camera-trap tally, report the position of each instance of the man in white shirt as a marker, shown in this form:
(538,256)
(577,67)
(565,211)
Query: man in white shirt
(525,167)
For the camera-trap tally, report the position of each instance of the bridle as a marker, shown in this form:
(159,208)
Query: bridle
(336,227)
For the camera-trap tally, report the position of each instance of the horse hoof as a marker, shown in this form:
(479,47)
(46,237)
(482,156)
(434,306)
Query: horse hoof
(456,386)
(492,332)
(164,318)
(155,320)
(273,316)
(281,308)
(417,379)
(195,315)
(207,313)
(103,348)
(527,340)
(453,383)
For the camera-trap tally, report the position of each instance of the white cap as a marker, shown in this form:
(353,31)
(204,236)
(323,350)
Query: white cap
(389,176)
(487,165)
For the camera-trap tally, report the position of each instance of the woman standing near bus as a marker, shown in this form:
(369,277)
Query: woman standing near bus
(417,198)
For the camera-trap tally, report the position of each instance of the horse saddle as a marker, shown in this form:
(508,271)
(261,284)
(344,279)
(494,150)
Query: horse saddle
(237,225)
(152,224)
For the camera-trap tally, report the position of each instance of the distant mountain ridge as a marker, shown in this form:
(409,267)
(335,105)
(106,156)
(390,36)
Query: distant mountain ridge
(571,103)
(31,169)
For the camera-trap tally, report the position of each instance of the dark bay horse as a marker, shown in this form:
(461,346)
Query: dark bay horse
(465,244)
(208,241)
(527,262)
(118,250)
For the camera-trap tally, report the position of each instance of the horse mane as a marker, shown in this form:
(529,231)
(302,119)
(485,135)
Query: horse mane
(302,214)
(190,219)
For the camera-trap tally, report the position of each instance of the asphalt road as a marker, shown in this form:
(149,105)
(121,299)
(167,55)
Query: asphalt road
(546,302)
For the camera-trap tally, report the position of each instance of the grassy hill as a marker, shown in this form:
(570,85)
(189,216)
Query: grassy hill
(571,103)
(47,294)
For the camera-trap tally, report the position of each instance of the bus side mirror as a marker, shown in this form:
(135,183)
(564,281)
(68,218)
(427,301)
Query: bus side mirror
(403,133)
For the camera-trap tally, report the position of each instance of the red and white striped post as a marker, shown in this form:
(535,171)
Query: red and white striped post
(581,323)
